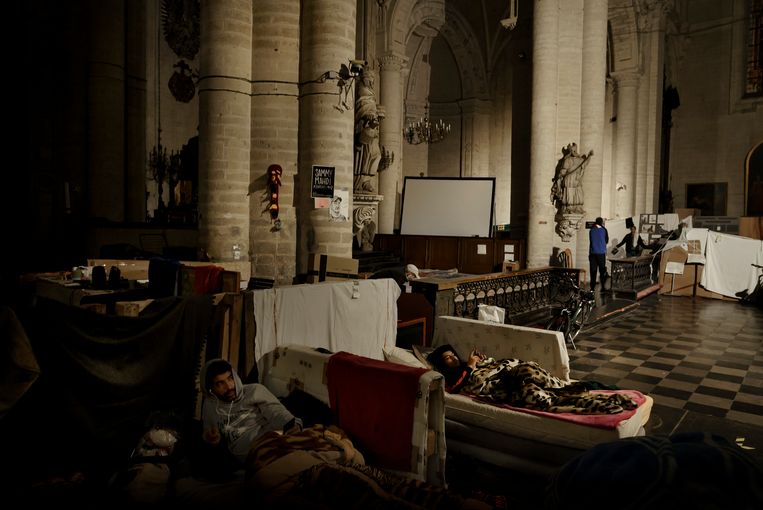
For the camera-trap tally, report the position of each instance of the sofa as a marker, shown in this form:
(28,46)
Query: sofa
(297,367)
(513,438)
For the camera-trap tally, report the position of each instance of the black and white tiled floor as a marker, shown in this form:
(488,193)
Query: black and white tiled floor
(701,361)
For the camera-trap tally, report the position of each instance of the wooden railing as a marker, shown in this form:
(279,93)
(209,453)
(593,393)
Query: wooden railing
(527,296)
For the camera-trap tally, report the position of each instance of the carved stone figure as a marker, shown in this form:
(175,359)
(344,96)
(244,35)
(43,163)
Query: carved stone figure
(567,190)
(364,227)
(367,151)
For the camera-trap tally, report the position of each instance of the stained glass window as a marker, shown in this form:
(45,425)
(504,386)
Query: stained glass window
(754,64)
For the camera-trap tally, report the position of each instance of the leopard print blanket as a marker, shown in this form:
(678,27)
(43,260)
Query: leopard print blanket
(526,384)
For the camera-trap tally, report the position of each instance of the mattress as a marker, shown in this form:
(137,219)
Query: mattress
(460,408)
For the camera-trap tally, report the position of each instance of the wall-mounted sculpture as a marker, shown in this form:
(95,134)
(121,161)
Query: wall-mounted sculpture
(182,31)
(567,190)
(368,154)
(364,227)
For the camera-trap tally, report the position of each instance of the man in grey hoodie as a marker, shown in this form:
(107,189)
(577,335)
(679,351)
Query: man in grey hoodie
(235,414)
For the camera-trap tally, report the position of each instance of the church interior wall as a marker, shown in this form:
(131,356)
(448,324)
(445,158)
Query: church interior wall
(710,140)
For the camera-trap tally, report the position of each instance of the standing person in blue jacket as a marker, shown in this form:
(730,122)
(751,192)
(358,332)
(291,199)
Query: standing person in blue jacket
(597,256)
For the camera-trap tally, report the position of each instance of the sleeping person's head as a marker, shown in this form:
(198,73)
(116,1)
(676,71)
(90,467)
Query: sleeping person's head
(444,357)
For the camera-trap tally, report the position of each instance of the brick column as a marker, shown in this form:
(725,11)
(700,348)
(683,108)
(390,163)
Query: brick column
(543,148)
(106,112)
(325,129)
(592,112)
(391,138)
(224,126)
(625,143)
(275,119)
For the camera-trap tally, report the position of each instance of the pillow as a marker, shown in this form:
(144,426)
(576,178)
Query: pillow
(402,357)
(421,354)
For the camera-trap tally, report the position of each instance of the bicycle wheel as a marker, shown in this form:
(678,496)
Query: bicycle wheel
(581,317)
(560,323)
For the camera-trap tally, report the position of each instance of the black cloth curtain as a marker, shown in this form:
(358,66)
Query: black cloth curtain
(101,377)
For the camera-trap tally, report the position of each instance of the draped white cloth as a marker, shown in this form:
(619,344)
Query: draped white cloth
(357,316)
(729,269)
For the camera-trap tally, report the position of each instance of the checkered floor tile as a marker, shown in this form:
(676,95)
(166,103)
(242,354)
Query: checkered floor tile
(700,356)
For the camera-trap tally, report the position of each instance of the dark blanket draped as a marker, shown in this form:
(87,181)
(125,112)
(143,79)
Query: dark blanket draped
(18,364)
(101,378)
(686,470)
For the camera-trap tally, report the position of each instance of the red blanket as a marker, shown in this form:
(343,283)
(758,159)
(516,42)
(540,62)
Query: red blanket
(373,401)
(603,421)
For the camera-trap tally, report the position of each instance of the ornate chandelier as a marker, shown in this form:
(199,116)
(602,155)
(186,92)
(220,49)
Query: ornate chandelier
(423,131)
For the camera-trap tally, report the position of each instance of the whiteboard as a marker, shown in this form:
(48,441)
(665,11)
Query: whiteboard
(440,206)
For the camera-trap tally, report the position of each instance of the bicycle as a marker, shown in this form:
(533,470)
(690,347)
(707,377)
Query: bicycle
(574,312)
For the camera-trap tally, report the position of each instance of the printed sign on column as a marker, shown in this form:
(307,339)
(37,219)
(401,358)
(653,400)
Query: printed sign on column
(323,181)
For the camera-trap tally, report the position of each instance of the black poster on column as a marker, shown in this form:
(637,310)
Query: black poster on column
(322,181)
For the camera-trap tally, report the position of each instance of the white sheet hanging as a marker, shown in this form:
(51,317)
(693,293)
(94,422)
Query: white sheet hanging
(728,268)
(326,315)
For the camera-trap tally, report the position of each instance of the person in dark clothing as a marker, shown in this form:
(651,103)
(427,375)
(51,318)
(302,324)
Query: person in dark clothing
(633,244)
(597,255)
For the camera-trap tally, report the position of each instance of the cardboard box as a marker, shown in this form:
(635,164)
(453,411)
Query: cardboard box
(676,284)
(683,284)
(509,266)
(685,213)
(131,308)
(327,268)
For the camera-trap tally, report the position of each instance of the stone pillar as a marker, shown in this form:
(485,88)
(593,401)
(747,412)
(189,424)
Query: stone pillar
(225,127)
(625,143)
(391,138)
(106,110)
(326,128)
(592,112)
(568,221)
(475,137)
(642,121)
(540,232)
(654,66)
(275,119)
(135,161)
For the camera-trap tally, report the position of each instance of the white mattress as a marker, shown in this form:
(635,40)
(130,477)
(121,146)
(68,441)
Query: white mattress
(463,409)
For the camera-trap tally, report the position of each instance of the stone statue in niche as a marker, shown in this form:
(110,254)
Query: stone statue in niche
(368,154)
(567,190)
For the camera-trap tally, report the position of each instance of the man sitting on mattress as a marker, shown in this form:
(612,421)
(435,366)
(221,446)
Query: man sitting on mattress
(521,384)
(292,466)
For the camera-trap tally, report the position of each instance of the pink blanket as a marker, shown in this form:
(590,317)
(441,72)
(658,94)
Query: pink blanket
(602,421)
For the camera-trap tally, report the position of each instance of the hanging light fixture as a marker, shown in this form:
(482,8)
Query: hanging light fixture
(423,131)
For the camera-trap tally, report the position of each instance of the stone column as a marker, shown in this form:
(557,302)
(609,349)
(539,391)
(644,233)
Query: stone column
(391,138)
(654,66)
(225,127)
(106,110)
(275,119)
(625,143)
(592,112)
(326,126)
(475,137)
(540,232)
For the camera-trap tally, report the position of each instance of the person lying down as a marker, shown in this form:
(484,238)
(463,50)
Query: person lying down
(521,384)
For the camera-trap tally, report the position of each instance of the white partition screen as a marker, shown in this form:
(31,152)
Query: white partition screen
(448,206)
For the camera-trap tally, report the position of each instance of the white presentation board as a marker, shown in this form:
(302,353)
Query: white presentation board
(441,206)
